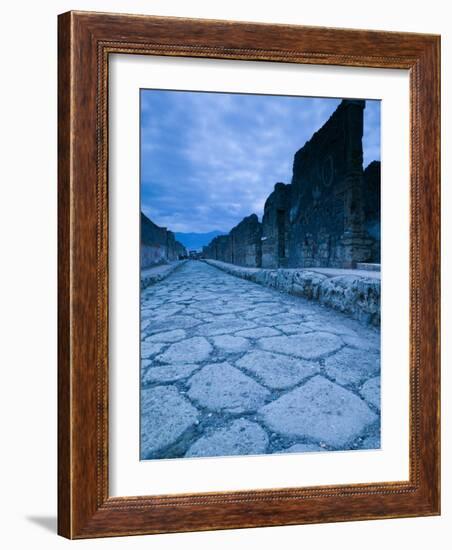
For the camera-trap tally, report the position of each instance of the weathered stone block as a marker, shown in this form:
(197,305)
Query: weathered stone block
(357,295)
(168,373)
(276,371)
(275,227)
(307,284)
(305,346)
(241,437)
(191,350)
(351,367)
(221,387)
(321,411)
(165,417)
(371,392)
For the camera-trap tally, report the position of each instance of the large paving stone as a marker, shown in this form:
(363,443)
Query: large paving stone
(242,437)
(262,297)
(191,350)
(148,349)
(319,410)
(165,416)
(233,306)
(144,324)
(170,336)
(221,387)
(371,442)
(163,312)
(336,327)
(260,332)
(306,346)
(203,296)
(231,344)
(223,326)
(371,391)
(366,341)
(296,328)
(276,371)
(279,319)
(178,321)
(168,373)
(352,366)
(263,310)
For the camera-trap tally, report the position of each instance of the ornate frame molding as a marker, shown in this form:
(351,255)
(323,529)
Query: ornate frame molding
(85,42)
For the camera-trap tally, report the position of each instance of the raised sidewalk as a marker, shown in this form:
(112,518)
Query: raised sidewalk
(152,275)
(355,292)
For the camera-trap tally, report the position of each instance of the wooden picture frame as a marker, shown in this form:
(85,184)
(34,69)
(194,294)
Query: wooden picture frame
(85,42)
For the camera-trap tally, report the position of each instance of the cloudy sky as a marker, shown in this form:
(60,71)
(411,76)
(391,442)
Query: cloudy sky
(210,159)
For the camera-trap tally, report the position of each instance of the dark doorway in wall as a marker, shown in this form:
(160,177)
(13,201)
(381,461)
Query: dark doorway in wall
(281,225)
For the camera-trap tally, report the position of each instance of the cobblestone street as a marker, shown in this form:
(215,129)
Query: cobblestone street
(232,368)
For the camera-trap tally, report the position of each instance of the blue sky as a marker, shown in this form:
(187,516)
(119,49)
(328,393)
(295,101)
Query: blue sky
(210,159)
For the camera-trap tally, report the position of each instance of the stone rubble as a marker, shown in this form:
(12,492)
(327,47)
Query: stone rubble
(319,410)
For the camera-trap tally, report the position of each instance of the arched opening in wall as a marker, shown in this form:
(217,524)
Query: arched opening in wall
(281,226)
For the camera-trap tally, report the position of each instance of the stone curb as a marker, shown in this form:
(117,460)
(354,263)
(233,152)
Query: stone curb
(149,278)
(355,295)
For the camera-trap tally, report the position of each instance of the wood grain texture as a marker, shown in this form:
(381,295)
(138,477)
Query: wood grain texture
(85,42)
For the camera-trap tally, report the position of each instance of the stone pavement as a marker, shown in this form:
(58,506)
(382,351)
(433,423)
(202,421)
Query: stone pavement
(233,368)
(350,291)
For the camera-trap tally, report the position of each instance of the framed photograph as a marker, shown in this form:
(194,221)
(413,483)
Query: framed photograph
(248,275)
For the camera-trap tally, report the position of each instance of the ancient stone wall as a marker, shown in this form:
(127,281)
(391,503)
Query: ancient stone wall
(327,210)
(245,242)
(242,246)
(174,249)
(372,205)
(158,245)
(275,227)
(329,216)
(219,249)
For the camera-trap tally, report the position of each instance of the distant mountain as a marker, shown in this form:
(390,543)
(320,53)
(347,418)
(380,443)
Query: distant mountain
(195,241)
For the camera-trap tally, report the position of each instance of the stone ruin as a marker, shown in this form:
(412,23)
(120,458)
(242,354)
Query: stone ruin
(275,227)
(245,242)
(158,245)
(372,205)
(328,216)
